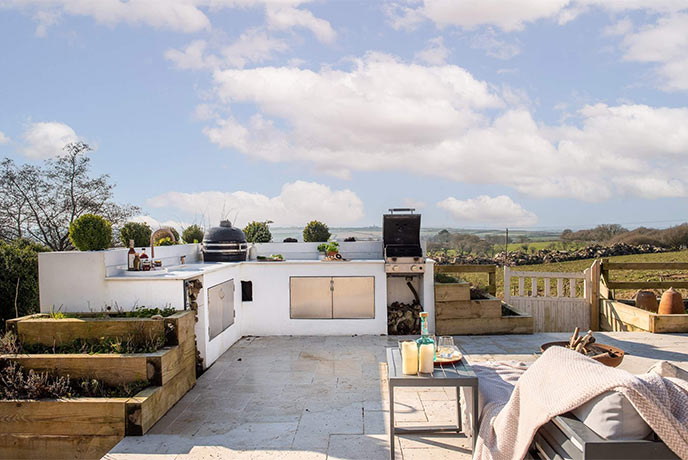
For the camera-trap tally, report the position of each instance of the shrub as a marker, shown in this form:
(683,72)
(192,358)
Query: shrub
(90,233)
(192,234)
(258,232)
(316,232)
(140,232)
(18,278)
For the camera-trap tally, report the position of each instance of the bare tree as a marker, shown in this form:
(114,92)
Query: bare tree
(41,202)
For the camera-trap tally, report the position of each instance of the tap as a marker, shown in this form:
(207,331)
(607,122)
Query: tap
(160,232)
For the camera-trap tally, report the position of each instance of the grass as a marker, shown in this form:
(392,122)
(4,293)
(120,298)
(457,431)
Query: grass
(480,280)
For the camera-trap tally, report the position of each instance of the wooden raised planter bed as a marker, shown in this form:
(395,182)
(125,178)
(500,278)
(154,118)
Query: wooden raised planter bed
(90,427)
(620,317)
(457,314)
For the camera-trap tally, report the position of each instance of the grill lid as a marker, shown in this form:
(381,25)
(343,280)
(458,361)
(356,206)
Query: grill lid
(401,229)
(225,233)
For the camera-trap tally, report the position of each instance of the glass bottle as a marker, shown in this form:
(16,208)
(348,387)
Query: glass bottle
(145,263)
(131,256)
(426,347)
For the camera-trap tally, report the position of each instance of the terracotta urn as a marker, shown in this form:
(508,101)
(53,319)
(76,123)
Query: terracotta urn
(647,300)
(671,303)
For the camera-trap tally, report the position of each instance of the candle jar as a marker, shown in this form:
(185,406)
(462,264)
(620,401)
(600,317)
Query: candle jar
(409,357)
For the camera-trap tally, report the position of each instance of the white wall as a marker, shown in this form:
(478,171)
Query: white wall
(75,281)
(355,250)
(269,313)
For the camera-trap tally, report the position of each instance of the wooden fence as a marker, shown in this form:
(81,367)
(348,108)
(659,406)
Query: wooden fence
(570,306)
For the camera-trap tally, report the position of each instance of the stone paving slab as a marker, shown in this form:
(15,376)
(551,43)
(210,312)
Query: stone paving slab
(316,398)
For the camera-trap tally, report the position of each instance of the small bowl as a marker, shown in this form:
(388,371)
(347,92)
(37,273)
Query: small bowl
(609,355)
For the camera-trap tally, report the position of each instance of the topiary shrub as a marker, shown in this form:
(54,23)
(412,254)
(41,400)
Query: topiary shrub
(192,234)
(258,232)
(90,233)
(316,232)
(140,232)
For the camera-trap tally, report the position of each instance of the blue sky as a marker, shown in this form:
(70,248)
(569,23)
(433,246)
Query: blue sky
(552,114)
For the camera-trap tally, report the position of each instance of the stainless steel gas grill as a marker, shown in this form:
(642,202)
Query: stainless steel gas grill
(401,242)
(224,244)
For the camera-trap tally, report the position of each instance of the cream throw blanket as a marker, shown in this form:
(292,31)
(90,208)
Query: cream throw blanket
(561,380)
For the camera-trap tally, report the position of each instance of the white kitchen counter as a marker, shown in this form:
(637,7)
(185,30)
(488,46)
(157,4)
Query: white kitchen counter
(188,271)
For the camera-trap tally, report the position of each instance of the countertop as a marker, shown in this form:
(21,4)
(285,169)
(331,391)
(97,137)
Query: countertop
(187,271)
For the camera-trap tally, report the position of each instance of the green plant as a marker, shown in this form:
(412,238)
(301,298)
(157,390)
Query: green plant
(322,247)
(18,278)
(332,246)
(192,234)
(90,233)
(140,232)
(162,240)
(258,232)
(316,232)
(56,314)
(165,241)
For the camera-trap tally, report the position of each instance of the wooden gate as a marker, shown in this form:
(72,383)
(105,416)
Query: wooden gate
(562,311)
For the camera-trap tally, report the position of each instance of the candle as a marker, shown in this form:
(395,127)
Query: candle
(409,357)
(426,358)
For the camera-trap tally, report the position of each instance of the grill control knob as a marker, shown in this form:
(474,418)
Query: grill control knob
(395,268)
(416,268)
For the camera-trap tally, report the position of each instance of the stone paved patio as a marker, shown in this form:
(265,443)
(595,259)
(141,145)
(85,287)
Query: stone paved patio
(326,398)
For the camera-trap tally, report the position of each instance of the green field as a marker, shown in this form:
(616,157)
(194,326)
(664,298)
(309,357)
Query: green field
(538,245)
(580,265)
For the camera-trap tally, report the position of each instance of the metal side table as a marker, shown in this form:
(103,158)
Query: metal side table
(449,375)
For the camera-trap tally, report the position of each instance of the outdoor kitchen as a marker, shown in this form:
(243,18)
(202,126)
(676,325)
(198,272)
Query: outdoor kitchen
(242,289)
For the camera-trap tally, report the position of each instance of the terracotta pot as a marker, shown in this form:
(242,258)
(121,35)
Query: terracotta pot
(671,303)
(647,300)
(332,253)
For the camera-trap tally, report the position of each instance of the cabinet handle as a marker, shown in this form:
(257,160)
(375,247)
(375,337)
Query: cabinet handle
(332,285)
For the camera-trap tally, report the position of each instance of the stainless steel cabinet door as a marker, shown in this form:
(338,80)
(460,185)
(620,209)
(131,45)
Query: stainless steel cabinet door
(353,297)
(220,308)
(310,297)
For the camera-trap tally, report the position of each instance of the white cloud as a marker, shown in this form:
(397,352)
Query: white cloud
(282,17)
(46,139)
(180,15)
(488,210)
(3,139)
(435,53)
(252,46)
(511,15)
(469,14)
(298,203)
(440,121)
(664,43)
(187,16)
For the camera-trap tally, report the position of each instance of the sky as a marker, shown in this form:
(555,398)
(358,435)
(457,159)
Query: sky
(479,113)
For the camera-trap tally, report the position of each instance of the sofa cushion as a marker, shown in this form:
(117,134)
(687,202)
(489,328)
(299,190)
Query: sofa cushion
(612,416)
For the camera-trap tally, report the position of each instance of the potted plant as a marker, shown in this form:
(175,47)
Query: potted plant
(322,251)
(332,249)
